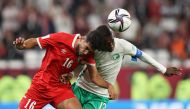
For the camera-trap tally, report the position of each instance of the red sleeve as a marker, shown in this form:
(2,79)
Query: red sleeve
(46,41)
(90,59)
(51,39)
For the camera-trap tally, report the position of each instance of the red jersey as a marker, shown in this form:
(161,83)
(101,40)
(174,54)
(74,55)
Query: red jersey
(60,57)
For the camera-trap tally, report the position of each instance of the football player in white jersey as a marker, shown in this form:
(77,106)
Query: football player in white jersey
(109,64)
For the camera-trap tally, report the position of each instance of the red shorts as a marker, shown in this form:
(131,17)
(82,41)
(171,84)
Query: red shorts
(39,95)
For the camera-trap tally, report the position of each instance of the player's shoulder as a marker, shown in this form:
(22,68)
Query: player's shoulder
(123,45)
(63,37)
(63,34)
(121,41)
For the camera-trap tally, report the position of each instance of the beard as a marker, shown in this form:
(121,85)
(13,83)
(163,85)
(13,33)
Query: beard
(77,50)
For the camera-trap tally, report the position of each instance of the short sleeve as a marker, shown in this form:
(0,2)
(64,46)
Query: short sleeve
(90,59)
(128,48)
(56,39)
(46,41)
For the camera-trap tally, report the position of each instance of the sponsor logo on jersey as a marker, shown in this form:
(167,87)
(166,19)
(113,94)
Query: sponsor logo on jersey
(63,51)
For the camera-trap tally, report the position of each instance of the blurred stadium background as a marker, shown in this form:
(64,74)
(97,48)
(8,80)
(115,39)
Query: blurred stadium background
(159,27)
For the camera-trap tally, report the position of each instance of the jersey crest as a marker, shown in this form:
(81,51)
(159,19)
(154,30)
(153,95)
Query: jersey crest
(115,56)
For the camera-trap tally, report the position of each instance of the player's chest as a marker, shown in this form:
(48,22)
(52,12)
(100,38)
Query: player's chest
(105,56)
(64,57)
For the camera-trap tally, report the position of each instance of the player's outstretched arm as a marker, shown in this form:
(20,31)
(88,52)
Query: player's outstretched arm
(20,43)
(130,49)
(170,71)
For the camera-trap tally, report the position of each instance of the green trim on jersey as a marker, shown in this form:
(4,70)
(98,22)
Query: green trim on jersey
(89,100)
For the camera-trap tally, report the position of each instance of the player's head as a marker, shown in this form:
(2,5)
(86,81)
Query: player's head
(83,47)
(101,39)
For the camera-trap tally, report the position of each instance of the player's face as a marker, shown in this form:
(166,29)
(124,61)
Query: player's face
(83,48)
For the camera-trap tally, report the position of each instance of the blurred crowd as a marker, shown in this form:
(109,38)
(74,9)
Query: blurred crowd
(156,24)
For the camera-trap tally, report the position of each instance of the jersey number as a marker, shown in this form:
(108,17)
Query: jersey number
(102,105)
(68,63)
(30,104)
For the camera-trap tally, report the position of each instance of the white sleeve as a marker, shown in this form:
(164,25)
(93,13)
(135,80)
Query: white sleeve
(149,60)
(127,47)
(132,50)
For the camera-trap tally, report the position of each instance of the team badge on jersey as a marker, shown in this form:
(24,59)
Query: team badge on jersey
(63,51)
(115,56)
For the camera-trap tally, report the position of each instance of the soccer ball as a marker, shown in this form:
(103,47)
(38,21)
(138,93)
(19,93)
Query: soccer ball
(119,20)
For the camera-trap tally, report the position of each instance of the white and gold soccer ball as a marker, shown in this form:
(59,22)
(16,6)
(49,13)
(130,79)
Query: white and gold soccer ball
(119,20)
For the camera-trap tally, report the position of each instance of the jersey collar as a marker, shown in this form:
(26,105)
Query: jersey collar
(75,38)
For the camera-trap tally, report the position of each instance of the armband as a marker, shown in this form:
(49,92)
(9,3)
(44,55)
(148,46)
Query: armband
(137,55)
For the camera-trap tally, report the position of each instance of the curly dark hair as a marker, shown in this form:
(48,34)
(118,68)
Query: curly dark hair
(101,39)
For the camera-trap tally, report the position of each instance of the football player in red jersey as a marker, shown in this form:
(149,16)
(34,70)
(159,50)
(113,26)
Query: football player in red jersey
(63,53)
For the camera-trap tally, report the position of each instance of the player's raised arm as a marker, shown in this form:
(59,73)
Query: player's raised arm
(20,43)
(43,42)
(130,49)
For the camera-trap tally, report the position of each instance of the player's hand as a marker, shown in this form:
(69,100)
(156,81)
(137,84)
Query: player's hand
(112,93)
(65,78)
(172,71)
(19,43)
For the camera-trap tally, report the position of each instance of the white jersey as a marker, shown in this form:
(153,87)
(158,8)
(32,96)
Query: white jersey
(108,65)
